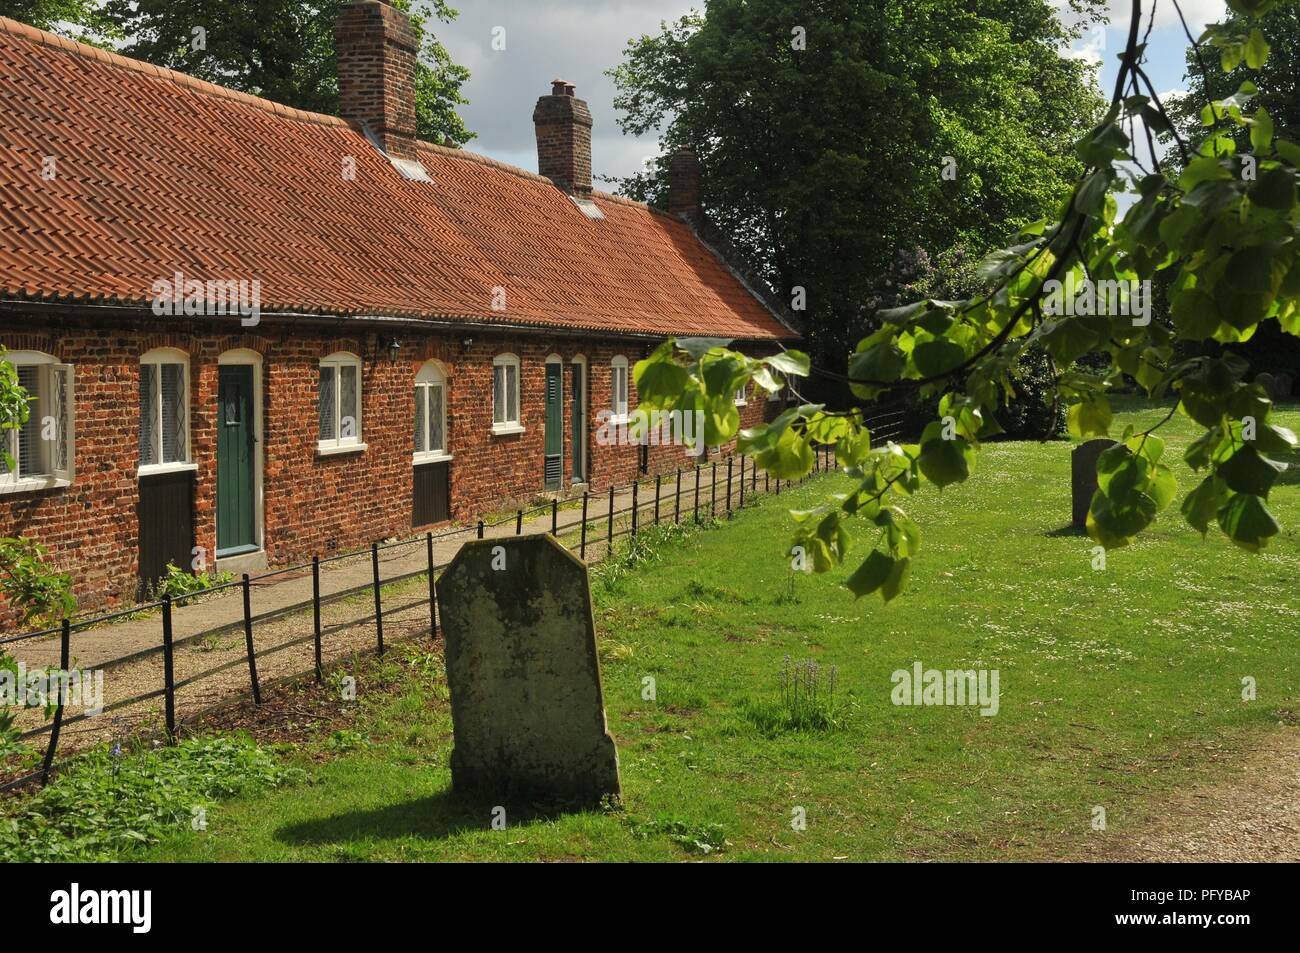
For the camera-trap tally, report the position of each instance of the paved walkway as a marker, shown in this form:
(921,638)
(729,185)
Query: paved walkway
(95,647)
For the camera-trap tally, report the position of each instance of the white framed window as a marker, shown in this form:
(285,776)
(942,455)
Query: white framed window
(164,410)
(505,395)
(339,395)
(43,448)
(618,387)
(740,396)
(431,414)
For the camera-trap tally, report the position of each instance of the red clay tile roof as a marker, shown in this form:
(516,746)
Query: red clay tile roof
(158,172)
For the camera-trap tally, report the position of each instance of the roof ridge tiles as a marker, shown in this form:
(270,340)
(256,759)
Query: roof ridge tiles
(201,86)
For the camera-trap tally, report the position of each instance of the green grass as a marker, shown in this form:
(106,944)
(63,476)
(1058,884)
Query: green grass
(1112,685)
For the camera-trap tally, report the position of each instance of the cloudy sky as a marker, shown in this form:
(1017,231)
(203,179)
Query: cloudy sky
(578,40)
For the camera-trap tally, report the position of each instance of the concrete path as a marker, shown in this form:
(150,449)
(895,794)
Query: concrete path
(95,647)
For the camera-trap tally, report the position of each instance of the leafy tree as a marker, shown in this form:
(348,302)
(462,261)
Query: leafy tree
(83,20)
(284,50)
(824,128)
(1270,350)
(1227,236)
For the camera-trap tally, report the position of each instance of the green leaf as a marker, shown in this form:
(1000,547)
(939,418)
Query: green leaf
(1257,49)
(897,580)
(1275,189)
(660,380)
(1090,418)
(1162,487)
(790,459)
(1273,439)
(937,357)
(1246,471)
(1114,522)
(1203,504)
(871,575)
(944,462)
(1261,130)
(1288,151)
(1247,521)
(1202,169)
(883,363)
(792,363)
(1092,194)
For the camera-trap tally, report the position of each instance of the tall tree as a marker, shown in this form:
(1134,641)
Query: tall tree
(83,20)
(1277,85)
(826,130)
(284,50)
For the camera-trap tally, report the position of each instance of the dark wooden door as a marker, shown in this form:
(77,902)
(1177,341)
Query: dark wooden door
(236,517)
(166,524)
(554,461)
(431,494)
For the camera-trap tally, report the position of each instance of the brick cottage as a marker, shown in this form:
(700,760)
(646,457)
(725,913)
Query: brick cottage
(265,333)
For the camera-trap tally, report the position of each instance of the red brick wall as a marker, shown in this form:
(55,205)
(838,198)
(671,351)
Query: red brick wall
(312,503)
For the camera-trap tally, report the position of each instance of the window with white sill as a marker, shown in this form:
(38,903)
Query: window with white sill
(618,387)
(430,414)
(339,394)
(40,450)
(505,394)
(164,409)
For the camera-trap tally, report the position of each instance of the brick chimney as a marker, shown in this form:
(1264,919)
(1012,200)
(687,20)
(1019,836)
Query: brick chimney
(376,49)
(684,183)
(563,124)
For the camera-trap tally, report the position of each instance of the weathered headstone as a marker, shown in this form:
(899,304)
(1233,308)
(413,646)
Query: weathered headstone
(1284,384)
(526,705)
(1083,472)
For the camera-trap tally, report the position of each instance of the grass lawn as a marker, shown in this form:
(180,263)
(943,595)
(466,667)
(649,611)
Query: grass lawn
(1113,686)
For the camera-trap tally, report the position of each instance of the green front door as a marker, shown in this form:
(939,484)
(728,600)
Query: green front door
(554,464)
(236,518)
(578,472)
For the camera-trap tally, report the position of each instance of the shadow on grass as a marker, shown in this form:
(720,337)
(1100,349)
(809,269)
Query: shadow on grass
(436,817)
(1068,530)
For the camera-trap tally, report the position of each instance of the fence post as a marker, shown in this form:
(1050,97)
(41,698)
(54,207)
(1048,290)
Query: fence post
(729,463)
(697,494)
(433,595)
(248,642)
(379,608)
(169,670)
(315,614)
(753,478)
(555,517)
(713,492)
(480,529)
(635,503)
(742,483)
(519,522)
(767,482)
(610,543)
(65,650)
(677,500)
(582,546)
(658,481)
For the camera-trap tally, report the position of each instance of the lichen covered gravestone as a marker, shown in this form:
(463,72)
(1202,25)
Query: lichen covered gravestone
(1083,471)
(526,705)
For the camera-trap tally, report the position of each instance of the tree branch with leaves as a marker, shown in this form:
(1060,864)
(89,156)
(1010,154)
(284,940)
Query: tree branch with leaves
(1226,228)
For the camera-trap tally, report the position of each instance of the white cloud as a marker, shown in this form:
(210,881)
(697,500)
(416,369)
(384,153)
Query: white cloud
(575,40)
